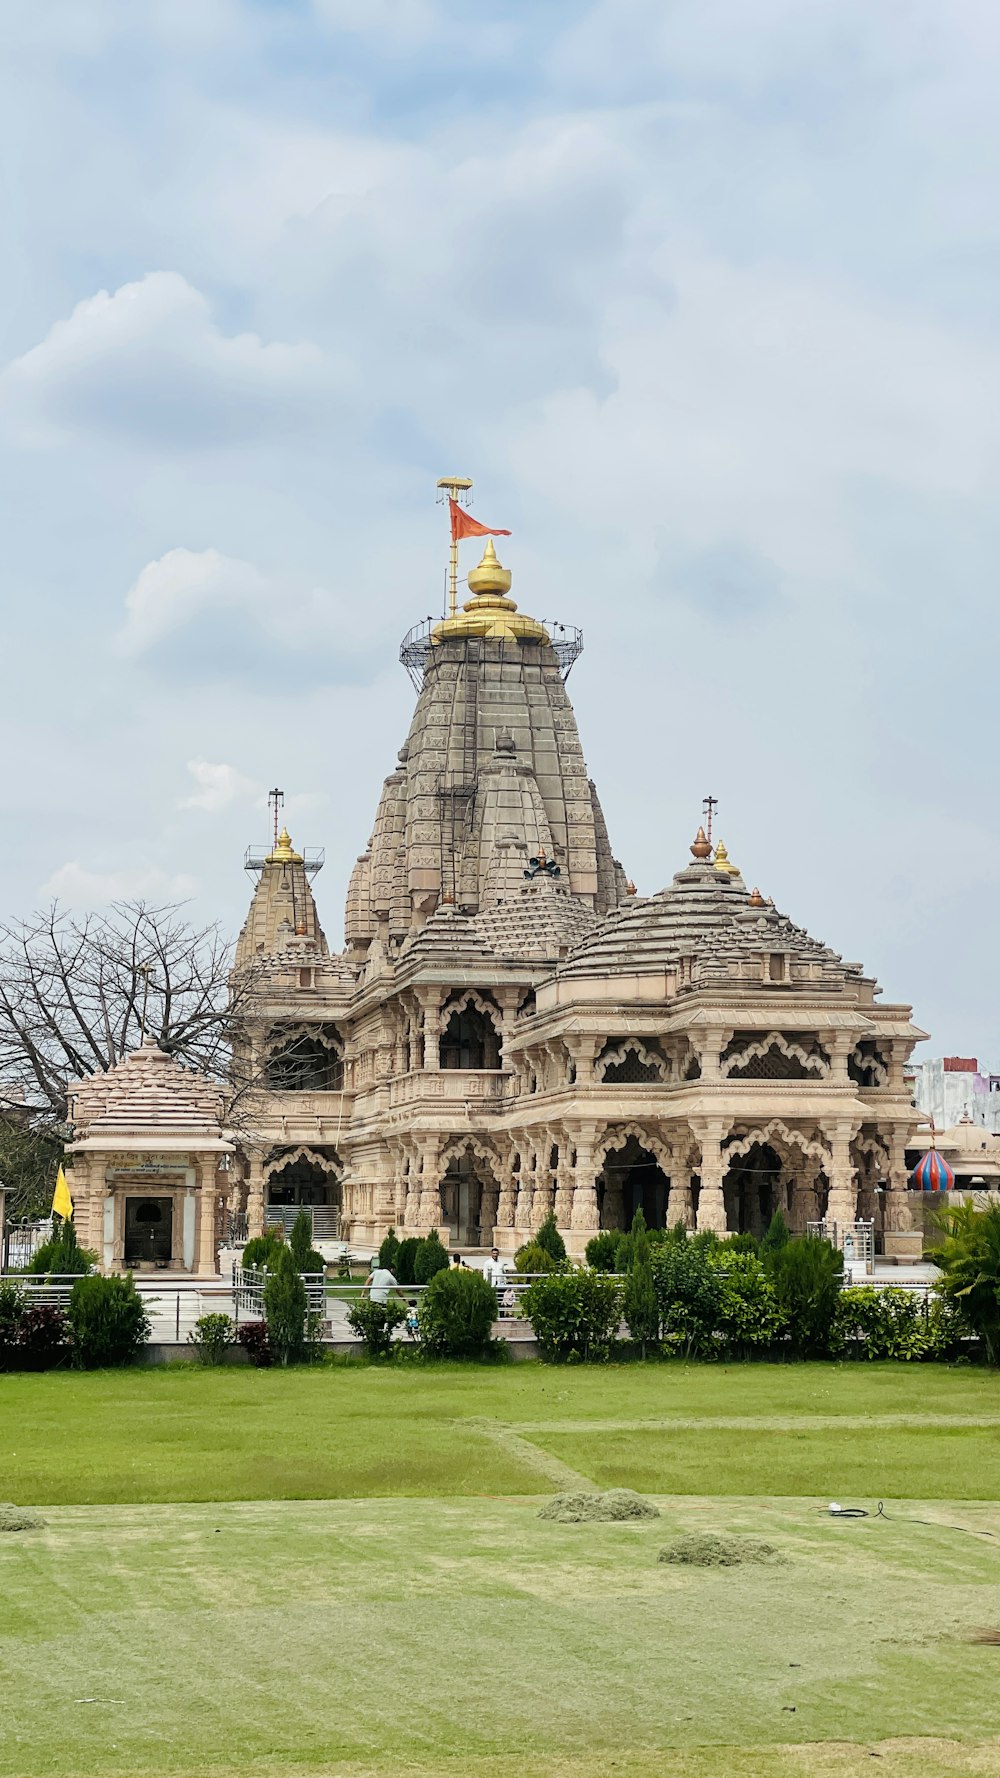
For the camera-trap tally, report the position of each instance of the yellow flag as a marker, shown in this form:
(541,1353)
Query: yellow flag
(62,1202)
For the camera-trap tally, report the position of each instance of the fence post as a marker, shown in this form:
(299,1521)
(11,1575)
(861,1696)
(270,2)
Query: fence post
(177,1320)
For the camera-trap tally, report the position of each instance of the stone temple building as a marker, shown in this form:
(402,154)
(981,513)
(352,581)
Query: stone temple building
(512,1030)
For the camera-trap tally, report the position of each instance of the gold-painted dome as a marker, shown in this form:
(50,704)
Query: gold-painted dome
(283,852)
(490,612)
(723,862)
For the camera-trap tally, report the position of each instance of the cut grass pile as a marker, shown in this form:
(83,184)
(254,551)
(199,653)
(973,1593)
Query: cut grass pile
(471,1639)
(19,1518)
(613,1508)
(708,1549)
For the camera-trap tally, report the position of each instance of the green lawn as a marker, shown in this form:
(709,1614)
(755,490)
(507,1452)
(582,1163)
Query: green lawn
(342,1572)
(178,1434)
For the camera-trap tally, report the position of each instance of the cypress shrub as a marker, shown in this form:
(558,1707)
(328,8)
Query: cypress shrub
(806,1274)
(532,1258)
(549,1238)
(429,1259)
(388,1254)
(403,1271)
(285,1310)
(302,1250)
(776,1235)
(108,1321)
(263,1250)
(456,1315)
(639,1305)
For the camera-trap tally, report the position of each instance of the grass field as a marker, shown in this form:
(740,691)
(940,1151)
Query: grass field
(343,1572)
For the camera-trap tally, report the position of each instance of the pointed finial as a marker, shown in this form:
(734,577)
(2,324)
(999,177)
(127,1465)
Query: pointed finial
(701,847)
(630,887)
(490,576)
(722,861)
(284,852)
(757,900)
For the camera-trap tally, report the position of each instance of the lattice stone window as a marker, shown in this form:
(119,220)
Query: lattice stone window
(303,1061)
(867,1066)
(774,1055)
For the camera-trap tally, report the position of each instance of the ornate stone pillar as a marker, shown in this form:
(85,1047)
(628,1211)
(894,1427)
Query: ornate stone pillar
(206,1262)
(431,1006)
(680,1207)
(583,1050)
(711,1203)
(431,1216)
(585,1215)
(563,1182)
(842,1204)
(506,1203)
(897,1208)
(255,1196)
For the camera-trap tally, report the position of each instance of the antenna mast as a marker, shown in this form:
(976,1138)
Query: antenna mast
(276,800)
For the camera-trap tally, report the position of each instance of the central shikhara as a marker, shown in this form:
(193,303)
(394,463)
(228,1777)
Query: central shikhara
(511,1030)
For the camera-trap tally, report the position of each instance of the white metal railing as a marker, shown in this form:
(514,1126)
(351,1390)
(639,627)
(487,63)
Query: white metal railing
(325,1219)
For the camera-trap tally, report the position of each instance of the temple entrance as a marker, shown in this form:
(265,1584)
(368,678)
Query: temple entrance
(751,1190)
(149,1231)
(469,1200)
(304,1185)
(633,1180)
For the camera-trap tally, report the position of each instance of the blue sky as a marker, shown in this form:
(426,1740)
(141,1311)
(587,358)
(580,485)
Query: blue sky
(703,293)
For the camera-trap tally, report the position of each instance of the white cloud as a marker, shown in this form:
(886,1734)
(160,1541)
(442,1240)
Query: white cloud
(149,361)
(206,613)
(396,24)
(219,787)
(79,887)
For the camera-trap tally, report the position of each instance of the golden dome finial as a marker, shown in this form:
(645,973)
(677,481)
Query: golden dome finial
(283,852)
(723,862)
(489,575)
(700,846)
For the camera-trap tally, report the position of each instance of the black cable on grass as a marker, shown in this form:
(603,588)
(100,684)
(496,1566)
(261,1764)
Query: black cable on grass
(834,1511)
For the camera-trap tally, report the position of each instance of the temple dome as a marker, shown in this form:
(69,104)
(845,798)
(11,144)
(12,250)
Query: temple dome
(932,1173)
(490,612)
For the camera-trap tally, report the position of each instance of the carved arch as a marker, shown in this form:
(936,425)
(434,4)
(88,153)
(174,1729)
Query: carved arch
(767,1133)
(617,1137)
(815,1062)
(288,1157)
(615,1056)
(488,1008)
(456,1146)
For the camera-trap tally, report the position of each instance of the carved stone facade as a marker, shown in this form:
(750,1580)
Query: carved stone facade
(511,1030)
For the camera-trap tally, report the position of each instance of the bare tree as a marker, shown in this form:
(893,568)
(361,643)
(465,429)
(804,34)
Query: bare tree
(77,994)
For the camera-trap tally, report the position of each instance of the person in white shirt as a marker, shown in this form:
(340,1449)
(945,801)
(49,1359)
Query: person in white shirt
(496,1270)
(379,1283)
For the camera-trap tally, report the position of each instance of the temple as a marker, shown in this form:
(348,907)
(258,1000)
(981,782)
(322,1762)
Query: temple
(512,1030)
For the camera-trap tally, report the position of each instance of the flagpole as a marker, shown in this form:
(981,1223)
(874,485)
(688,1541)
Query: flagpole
(459,489)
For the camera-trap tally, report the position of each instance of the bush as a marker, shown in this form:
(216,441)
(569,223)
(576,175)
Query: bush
(252,1336)
(211,1337)
(108,1321)
(374,1323)
(573,1314)
(62,1256)
(457,1312)
(43,1330)
(429,1259)
(969,1262)
(13,1303)
(301,1248)
(806,1274)
(263,1251)
(749,1318)
(404,1268)
(531,1258)
(549,1238)
(285,1309)
(688,1295)
(601,1250)
(388,1254)
(891,1323)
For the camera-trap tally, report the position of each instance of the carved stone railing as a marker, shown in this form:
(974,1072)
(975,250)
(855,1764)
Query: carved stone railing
(451,1085)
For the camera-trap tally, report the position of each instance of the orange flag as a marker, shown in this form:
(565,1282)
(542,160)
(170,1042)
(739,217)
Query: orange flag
(462,525)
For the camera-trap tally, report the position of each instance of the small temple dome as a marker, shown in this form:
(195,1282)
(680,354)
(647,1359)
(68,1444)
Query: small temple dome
(723,862)
(700,846)
(932,1173)
(283,852)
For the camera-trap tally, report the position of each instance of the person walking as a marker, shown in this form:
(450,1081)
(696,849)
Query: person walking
(380,1283)
(496,1269)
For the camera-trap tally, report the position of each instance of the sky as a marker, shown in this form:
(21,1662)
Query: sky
(702,293)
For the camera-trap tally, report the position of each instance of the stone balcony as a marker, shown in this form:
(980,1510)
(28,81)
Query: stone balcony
(483,1089)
